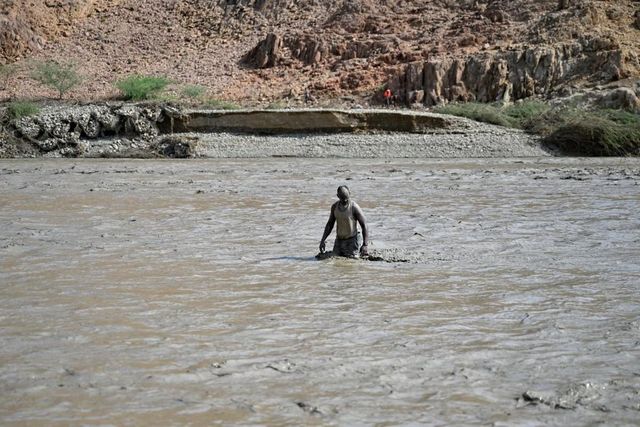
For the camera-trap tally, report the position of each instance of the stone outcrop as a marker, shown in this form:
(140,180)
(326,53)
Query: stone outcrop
(620,98)
(509,75)
(176,147)
(27,26)
(267,53)
(339,51)
(306,121)
(277,49)
(16,38)
(66,130)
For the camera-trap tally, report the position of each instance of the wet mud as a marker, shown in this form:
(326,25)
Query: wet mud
(385,255)
(187,292)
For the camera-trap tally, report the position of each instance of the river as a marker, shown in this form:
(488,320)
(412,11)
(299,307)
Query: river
(186,292)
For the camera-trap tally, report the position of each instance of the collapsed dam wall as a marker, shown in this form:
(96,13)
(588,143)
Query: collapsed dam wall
(71,130)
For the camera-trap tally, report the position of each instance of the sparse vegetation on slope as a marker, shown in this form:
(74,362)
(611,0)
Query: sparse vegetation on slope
(517,115)
(193,92)
(340,51)
(59,77)
(572,130)
(18,109)
(138,88)
(594,133)
(219,104)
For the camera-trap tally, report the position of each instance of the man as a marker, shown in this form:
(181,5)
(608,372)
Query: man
(387,97)
(345,212)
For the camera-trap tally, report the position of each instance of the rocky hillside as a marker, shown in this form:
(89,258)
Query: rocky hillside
(266,51)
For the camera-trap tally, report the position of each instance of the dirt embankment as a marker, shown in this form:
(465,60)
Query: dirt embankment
(261,52)
(150,130)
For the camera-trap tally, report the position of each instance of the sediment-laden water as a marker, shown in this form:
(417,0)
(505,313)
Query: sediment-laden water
(185,292)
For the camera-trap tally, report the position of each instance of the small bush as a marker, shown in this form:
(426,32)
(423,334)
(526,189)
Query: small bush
(221,105)
(165,97)
(60,77)
(623,117)
(193,92)
(570,129)
(521,114)
(487,113)
(18,109)
(597,133)
(138,87)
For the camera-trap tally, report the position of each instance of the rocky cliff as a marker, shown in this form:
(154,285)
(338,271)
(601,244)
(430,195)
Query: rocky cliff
(265,51)
(512,75)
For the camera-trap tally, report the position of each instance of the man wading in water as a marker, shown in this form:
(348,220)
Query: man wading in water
(346,212)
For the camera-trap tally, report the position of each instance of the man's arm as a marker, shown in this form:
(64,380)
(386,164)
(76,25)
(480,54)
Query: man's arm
(327,229)
(357,213)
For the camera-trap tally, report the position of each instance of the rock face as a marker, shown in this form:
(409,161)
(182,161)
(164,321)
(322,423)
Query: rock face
(27,26)
(266,53)
(621,98)
(277,50)
(510,75)
(66,130)
(16,38)
(561,48)
(259,52)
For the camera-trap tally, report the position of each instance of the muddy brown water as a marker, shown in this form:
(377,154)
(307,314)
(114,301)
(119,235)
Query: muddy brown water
(185,292)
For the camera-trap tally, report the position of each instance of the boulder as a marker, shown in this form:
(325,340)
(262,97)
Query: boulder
(620,98)
(266,54)
(64,131)
(28,128)
(177,147)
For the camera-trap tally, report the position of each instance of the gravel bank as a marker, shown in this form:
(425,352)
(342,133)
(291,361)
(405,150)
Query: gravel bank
(472,140)
(147,130)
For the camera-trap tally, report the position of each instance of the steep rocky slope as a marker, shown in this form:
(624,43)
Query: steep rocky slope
(264,51)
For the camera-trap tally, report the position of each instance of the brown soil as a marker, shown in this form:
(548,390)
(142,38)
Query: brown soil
(336,49)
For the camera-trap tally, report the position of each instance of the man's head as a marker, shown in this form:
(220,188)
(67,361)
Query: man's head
(343,193)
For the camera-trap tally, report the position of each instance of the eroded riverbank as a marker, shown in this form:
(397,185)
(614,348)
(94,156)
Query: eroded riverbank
(122,130)
(174,292)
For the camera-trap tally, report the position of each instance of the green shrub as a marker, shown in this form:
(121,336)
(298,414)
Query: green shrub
(138,87)
(518,115)
(18,109)
(487,113)
(570,129)
(60,77)
(596,133)
(623,117)
(522,113)
(193,92)
(221,105)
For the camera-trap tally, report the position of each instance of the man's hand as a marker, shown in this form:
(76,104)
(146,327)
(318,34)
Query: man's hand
(364,250)
(322,247)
